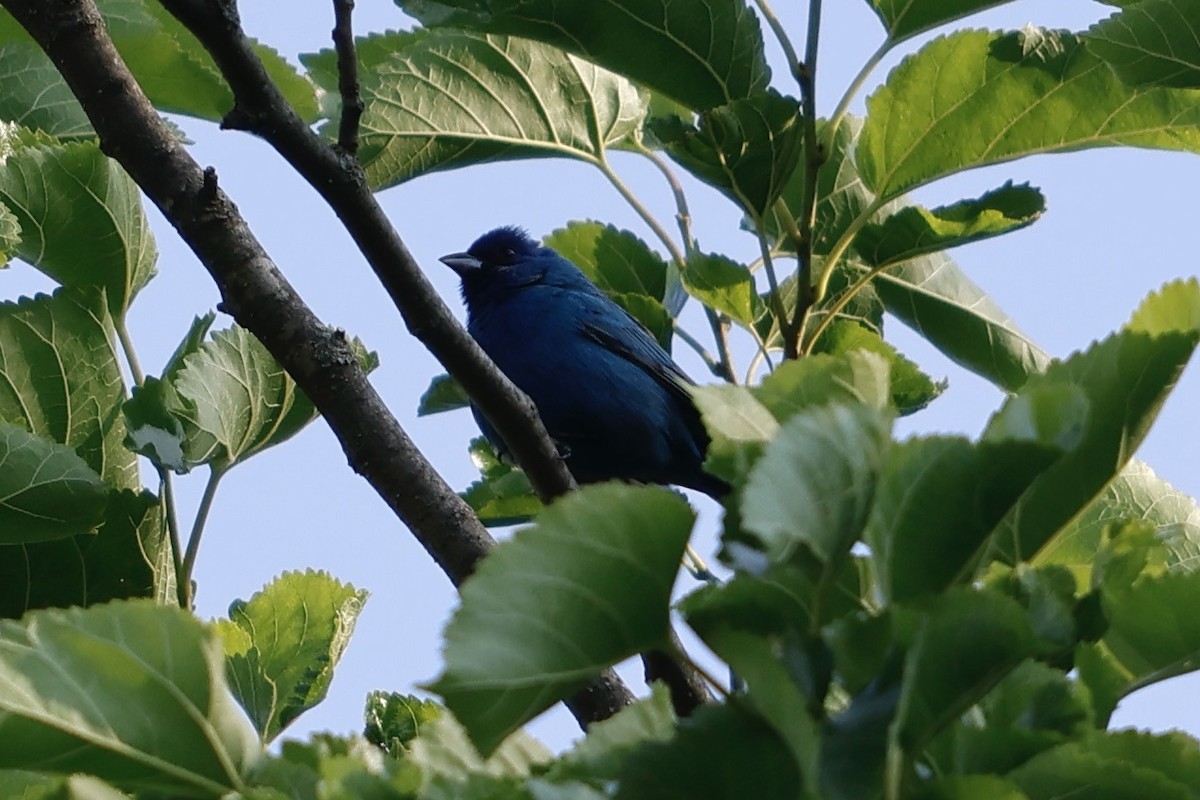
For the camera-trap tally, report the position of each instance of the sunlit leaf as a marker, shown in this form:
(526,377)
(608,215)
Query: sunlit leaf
(81,217)
(1151,43)
(295,631)
(439,99)
(1125,379)
(906,18)
(703,53)
(974,98)
(60,380)
(913,230)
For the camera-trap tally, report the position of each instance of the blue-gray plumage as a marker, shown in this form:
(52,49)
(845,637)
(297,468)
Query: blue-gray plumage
(611,398)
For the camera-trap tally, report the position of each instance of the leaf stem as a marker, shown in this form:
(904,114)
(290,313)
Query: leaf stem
(789,52)
(843,105)
(709,360)
(843,299)
(131,359)
(183,589)
(835,254)
(720,331)
(682,214)
(774,297)
(676,254)
(206,500)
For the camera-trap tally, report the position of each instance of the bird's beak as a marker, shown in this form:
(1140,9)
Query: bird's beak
(462,263)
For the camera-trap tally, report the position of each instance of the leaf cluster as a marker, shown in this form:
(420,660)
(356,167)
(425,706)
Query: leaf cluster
(938,617)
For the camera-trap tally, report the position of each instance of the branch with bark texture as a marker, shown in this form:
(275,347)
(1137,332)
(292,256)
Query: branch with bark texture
(260,108)
(255,293)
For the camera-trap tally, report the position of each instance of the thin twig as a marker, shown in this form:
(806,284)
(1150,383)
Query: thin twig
(814,158)
(659,231)
(206,500)
(843,105)
(347,66)
(183,588)
(683,215)
(785,43)
(709,360)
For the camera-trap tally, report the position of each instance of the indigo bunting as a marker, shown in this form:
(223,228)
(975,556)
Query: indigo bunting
(612,399)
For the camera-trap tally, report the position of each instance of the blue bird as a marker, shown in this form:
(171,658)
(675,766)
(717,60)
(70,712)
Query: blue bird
(612,399)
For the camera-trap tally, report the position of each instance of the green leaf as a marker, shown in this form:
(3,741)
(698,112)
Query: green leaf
(773,691)
(1148,636)
(615,260)
(906,18)
(724,285)
(444,394)
(970,787)
(937,503)
(292,634)
(935,298)
(453,768)
(652,316)
(600,755)
(224,401)
(851,376)
(441,99)
(703,53)
(503,494)
(914,231)
(94,689)
(32,91)
(328,766)
(171,66)
(967,640)
(59,379)
(910,389)
(128,557)
(1072,770)
(1175,755)
(393,720)
(1151,43)
(740,426)
(929,294)
(588,585)
(37,786)
(720,752)
(974,98)
(10,232)
(1135,494)
(1125,378)
(46,491)
(81,216)
(748,149)
(814,485)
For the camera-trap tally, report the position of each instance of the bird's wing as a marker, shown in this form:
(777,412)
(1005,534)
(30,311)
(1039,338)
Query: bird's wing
(626,337)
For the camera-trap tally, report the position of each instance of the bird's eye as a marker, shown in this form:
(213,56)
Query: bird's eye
(509,255)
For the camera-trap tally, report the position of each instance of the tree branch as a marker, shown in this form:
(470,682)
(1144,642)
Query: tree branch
(347,66)
(257,295)
(260,108)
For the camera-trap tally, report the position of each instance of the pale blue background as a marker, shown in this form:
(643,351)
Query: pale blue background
(1120,223)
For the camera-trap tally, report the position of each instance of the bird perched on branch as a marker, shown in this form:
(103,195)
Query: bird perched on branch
(612,399)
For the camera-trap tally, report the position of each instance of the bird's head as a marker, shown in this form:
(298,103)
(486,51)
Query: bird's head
(508,258)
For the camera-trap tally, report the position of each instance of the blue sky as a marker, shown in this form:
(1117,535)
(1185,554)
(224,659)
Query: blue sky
(1120,223)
